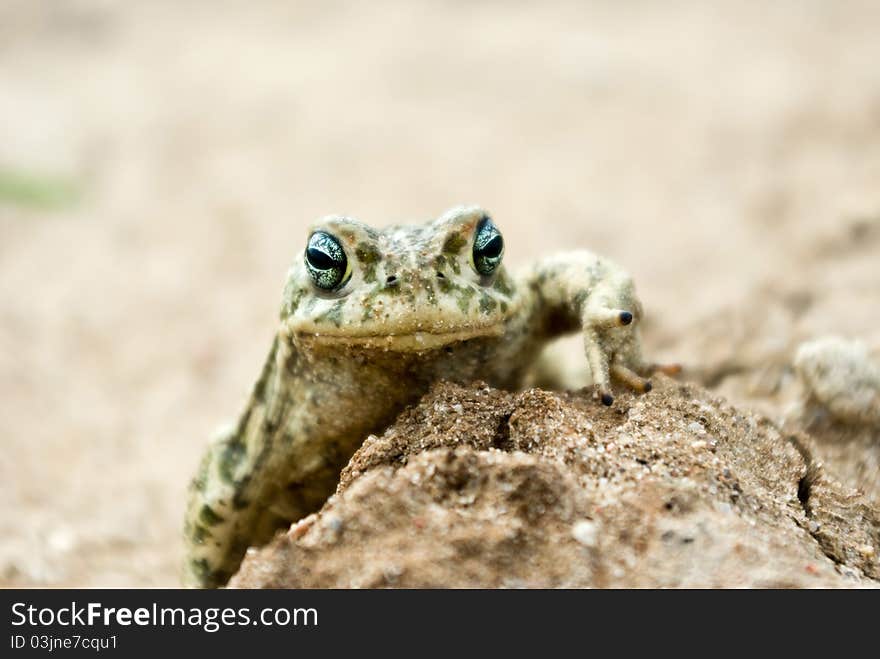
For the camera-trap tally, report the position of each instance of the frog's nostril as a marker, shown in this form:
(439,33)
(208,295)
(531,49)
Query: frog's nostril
(391,280)
(440,275)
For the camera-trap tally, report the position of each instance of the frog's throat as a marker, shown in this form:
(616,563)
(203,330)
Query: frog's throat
(418,341)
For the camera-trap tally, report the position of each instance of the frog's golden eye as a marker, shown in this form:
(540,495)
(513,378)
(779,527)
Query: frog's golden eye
(488,247)
(326,262)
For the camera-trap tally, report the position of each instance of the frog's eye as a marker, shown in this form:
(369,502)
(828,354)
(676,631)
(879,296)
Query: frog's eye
(326,262)
(488,247)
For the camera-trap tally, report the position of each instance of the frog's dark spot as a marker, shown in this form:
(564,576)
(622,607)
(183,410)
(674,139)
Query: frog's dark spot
(292,305)
(370,256)
(208,517)
(206,576)
(454,243)
(367,253)
(201,479)
(200,534)
(230,459)
(502,284)
(464,298)
(487,304)
(201,568)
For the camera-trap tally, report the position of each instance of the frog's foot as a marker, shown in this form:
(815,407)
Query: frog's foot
(612,348)
(613,353)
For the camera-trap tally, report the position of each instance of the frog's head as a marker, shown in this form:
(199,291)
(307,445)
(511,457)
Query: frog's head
(405,288)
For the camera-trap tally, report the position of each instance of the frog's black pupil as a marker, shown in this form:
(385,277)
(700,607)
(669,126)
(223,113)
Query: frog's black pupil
(493,248)
(319,259)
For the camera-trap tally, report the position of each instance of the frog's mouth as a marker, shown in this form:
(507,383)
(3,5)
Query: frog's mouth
(416,341)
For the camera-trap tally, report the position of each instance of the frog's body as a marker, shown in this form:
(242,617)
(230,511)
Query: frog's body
(369,320)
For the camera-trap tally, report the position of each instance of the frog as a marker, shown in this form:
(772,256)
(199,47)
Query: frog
(370,319)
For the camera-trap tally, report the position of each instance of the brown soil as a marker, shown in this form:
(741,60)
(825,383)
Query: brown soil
(159,162)
(482,488)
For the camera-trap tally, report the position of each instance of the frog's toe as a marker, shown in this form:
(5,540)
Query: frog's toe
(667,369)
(597,358)
(630,378)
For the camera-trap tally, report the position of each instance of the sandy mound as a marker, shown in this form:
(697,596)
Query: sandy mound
(484,488)
(806,352)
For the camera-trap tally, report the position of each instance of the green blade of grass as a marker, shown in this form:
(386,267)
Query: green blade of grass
(36,191)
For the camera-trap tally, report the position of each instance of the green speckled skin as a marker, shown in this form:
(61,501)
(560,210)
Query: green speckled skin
(344,364)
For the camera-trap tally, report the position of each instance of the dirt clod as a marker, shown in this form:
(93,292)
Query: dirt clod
(482,488)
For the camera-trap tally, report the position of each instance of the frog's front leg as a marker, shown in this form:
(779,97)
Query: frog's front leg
(227,508)
(581,291)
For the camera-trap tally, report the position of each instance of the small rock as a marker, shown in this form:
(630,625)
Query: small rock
(696,428)
(866,550)
(585,532)
(299,528)
(841,376)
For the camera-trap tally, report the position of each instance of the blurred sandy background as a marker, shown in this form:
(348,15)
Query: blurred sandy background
(159,162)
